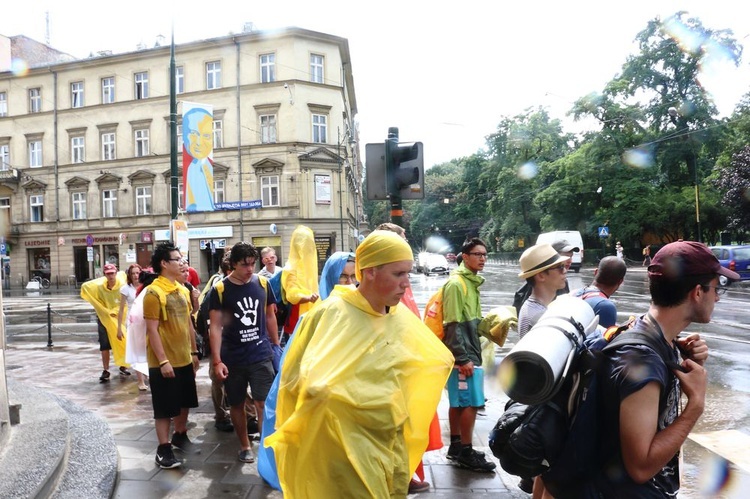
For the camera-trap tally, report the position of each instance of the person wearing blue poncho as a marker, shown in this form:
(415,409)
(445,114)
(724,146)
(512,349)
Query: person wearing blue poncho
(339,269)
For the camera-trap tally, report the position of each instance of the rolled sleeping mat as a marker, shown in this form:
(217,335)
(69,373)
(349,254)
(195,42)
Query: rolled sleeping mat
(534,369)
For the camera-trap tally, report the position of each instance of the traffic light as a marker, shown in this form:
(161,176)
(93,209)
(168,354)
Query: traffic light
(404,169)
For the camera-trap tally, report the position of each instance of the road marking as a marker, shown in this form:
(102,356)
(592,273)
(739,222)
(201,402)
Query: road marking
(732,445)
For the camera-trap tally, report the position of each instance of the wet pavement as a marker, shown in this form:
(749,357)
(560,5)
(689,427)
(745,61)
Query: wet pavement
(70,369)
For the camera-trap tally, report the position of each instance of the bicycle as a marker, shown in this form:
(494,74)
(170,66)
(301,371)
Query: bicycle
(43,281)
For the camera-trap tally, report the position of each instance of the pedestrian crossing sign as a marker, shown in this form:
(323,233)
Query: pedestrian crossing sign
(603,232)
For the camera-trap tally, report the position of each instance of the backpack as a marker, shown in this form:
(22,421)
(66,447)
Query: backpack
(283,307)
(433,311)
(559,439)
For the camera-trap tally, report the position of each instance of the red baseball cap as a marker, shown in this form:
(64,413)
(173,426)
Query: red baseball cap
(110,268)
(686,258)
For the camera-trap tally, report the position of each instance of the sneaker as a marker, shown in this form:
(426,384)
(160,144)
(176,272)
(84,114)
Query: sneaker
(246,456)
(415,486)
(181,442)
(224,425)
(104,377)
(165,458)
(454,449)
(475,461)
(527,485)
(124,371)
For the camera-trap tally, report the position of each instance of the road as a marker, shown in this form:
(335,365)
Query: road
(723,428)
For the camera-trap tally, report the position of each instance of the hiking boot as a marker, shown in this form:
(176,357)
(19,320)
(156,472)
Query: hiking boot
(104,377)
(124,371)
(454,449)
(165,457)
(415,486)
(246,456)
(181,442)
(475,461)
(224,425)
(527,485)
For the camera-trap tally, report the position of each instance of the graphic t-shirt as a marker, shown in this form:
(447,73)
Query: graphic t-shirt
(244,339)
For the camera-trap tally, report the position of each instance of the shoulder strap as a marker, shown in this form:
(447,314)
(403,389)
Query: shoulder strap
(219,287)
(591,294)
(642,338)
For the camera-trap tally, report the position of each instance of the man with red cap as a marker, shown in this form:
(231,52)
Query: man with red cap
(644,426)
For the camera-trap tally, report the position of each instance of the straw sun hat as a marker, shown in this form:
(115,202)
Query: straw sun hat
(538,258)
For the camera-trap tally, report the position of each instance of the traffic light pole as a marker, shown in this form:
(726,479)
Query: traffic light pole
(394,195)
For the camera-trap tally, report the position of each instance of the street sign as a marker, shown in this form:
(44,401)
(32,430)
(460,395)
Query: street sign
(90,254)
(90,241)
(3,249)
(603,232)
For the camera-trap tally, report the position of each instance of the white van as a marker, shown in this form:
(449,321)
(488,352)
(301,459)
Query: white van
(571,237)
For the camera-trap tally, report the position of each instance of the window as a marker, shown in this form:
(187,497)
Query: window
(268,128)
(108,146)
(180,141)
(218,133)
(316,68)
(77,150)
(143,200)
(141,85)
(219,191)
(35,153)
(267,68)
(141,142)
(35,100)
(76,94)
(109,203)
(36,205)
(213,75)
(319,128)
(4,157)
(108,90)
(179,74)
(79,205)
(269,194)
(3,104)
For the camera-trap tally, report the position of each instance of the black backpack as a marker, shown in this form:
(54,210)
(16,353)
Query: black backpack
(559,439)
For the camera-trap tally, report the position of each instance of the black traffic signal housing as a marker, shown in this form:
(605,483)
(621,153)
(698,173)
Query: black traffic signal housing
(404,169)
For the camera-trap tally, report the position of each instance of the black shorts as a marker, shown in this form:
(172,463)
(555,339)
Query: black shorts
(258,375)
(170,395)
(103,337)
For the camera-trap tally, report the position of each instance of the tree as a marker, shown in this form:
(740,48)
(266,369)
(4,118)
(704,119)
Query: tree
(734,182)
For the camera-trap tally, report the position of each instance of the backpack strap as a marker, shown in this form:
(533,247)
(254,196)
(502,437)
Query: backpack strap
(642,338)
(592,294)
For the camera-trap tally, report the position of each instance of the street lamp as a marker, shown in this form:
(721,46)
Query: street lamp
(673,113)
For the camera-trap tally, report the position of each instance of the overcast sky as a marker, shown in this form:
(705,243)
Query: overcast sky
(444,75)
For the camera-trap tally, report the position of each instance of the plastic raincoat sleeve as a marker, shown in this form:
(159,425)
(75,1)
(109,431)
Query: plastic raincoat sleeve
(106,303)
(361,389)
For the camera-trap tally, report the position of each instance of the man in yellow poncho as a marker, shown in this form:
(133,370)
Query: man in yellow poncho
(359,386)
(103,294)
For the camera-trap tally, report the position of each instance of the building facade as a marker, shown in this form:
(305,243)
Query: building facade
(85,147)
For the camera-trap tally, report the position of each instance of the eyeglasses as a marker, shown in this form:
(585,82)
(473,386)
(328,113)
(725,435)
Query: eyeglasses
(478,254)
(174,259)
(560,267)
(719,289)
(348,277)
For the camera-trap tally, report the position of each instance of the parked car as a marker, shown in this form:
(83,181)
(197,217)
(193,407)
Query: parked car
(733,257)
(435,264)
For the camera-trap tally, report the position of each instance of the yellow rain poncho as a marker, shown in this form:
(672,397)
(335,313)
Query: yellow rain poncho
(357,393)
(300,274)
(106,303)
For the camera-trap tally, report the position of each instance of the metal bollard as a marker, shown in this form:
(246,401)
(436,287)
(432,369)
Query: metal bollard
(49,325)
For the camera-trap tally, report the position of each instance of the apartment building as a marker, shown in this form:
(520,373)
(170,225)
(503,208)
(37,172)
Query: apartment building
(85,148)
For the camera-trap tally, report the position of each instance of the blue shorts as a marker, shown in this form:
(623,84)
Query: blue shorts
(467,392)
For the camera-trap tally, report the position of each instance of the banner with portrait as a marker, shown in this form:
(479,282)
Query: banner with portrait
(197,157)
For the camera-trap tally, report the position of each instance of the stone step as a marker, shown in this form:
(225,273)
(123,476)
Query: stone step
(58,450)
